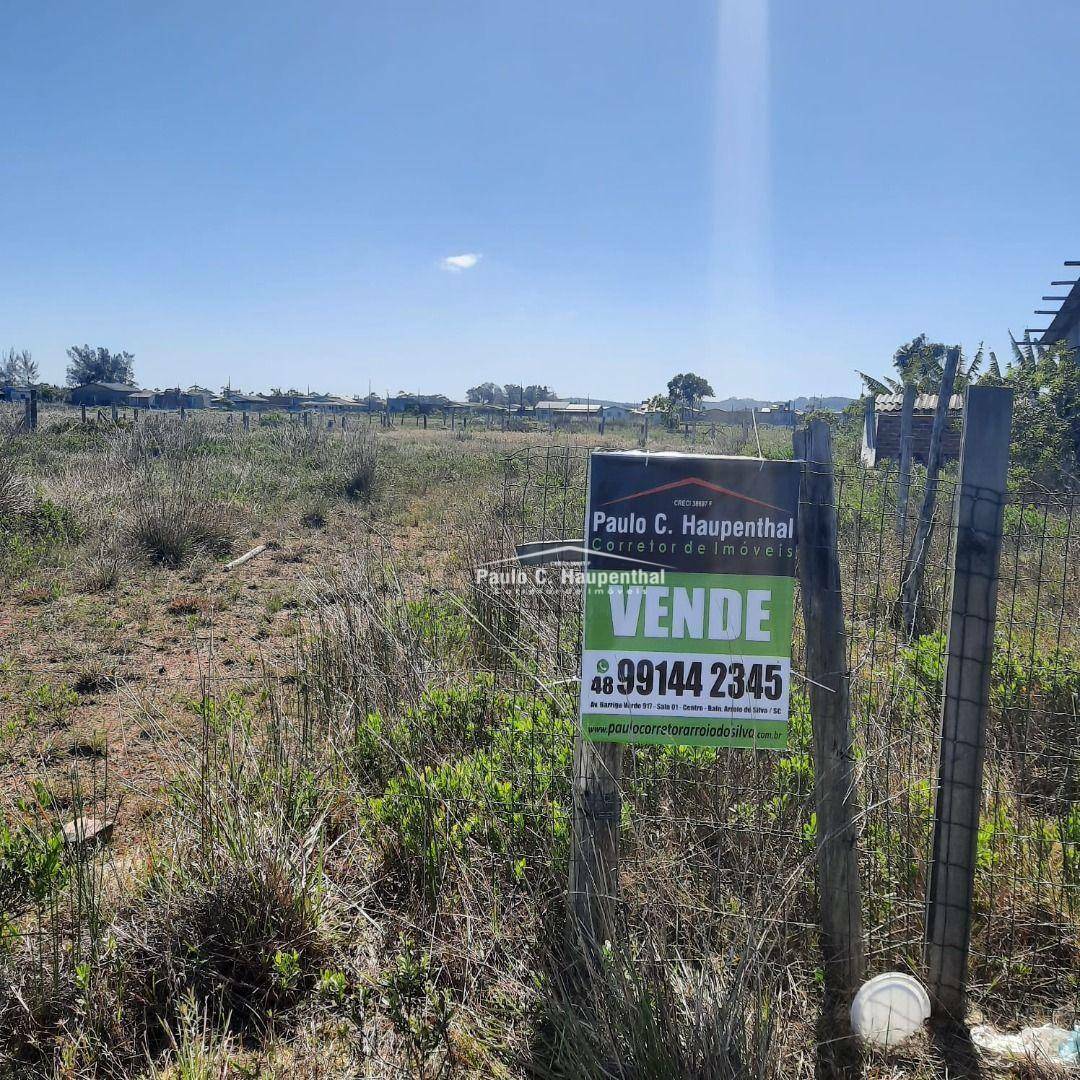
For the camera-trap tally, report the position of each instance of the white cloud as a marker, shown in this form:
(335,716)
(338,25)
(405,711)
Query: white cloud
(465,261)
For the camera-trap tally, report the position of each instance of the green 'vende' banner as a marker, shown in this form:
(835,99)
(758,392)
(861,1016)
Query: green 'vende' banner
(688,599)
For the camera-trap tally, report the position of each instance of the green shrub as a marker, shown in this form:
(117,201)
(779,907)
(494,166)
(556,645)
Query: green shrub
(499,802)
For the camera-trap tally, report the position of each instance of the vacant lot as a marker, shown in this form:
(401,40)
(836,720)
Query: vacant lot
(329,785)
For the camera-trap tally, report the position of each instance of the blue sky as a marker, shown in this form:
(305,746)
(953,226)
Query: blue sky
(769,193)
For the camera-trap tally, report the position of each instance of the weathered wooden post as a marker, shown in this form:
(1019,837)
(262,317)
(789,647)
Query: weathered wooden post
(984,463)
(594,843)
(600,426)
(115,414)
(82,413)
(903,491)
(183,414)
(828,677)
(915,564)
(247,420)
(645,429)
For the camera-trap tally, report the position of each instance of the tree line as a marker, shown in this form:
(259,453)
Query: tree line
(510,394)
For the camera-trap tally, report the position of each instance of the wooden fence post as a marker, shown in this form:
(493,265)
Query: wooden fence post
(915,564)
(594,843)
(903,491)
(984,463)
(830,710)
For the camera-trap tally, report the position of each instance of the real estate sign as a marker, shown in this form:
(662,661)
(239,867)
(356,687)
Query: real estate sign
(688,599)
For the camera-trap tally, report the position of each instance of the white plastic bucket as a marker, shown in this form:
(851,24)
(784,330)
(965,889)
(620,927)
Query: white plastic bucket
(889,1008)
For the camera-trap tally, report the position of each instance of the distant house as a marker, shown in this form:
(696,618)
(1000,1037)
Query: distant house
(881,442)
(331,403)
(142,399)
(774,414)
(422,403)
(247,402)
(102,393)
(780,414)
(14,393)
(569,411)
(287,402)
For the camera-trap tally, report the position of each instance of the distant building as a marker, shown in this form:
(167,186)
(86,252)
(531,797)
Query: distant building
(14,393)
(332,403)
(194,397)
(422,403)
(247,402)
(780,414)
(142,399)
(102,393)
(774,414)
(569,411)
(884,442)
(770,415)
(287,402)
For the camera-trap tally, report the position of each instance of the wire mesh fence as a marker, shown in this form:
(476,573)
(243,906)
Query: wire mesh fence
(727,836)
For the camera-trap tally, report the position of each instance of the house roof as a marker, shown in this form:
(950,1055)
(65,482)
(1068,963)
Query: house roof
(1066,318)
(923,403)
(129,387)
(570,406)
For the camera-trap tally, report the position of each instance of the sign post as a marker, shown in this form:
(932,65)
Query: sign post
(689,587)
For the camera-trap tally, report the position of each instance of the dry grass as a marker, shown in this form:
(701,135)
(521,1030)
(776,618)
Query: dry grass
(341,848)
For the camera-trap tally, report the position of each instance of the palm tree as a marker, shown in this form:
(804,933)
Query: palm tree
(921,363)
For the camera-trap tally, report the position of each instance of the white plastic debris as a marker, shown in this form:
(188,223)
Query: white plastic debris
(889,1008)
(1046,1045)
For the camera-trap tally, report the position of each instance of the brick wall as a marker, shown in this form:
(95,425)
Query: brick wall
(888,437)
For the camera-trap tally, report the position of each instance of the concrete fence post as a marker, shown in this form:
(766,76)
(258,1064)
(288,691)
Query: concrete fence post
(828,676)
(979,514)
